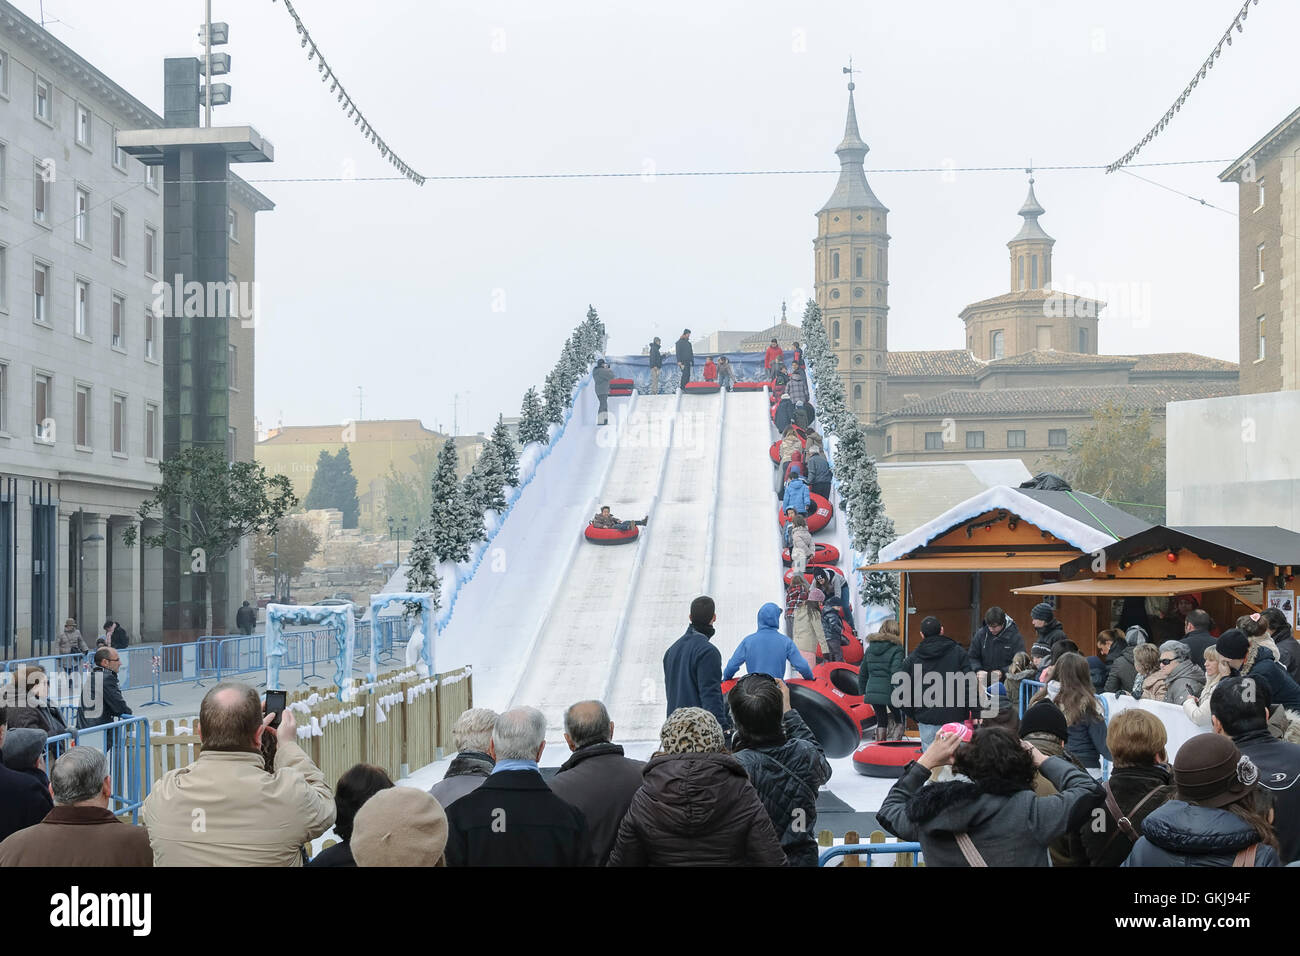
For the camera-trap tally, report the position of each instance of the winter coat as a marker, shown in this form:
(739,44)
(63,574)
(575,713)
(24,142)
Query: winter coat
(989,652)
(685,353)
(725,373)
(798,386)
(1008,828)
(767,649)
(1122,673)
(1153,686)
(540,828)
(801,540)
(23,802)
(789,446)
(1087,742)
(1282,689)
(337,856)
(802,415)
(787,777)
(1288,650)
(696,809)
(251,817)
(881,660)
(46,718)
(1183,681)
(833,628)
(1279,773)
(807,629)
(121,639)
(70,642)
(796,595)
(602,375)
(693,675)
(784,414)
(1197,708)
(771,356)
(1105,843)
(78,836)
(817,469)
(1181,834)
(110,704)
(796,496)
(656,357)
(1099,671)
(1013,679)
(1050,633)
(1197,642)
(467,770)
(710,371)
(600,782)
(930,704)
(1067,849)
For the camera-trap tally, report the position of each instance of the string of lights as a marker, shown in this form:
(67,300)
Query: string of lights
(346,102)
(1205,68)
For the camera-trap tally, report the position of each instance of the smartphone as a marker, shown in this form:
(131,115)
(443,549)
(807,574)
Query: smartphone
(275,704)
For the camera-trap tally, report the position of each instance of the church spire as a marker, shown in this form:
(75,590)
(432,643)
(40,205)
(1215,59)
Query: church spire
(1030,211)
(852,191)
(1031,249)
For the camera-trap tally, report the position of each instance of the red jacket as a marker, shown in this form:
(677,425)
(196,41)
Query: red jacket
(772,356)
(710,371)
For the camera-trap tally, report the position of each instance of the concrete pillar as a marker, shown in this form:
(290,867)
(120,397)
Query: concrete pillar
(66,581)
(152,626)
(93,571)
(126,578)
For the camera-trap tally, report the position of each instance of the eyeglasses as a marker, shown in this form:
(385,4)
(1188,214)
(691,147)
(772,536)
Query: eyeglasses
(1167,660)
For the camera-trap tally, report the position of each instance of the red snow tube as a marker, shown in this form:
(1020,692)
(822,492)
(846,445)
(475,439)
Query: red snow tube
(703,388)
(827,712)
(844,677)
(619,392)
(749,386)
(621,383)
(610,536)
(885,759)
(818,519)
(822,554)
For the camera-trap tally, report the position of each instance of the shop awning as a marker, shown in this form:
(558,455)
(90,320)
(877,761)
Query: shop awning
(977,562)
(1132,587)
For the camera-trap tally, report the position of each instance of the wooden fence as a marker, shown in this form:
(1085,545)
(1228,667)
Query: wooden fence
(826,839)
(401,723)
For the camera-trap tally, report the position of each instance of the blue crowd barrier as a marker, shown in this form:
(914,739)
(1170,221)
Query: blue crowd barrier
(869,850)
(125,743)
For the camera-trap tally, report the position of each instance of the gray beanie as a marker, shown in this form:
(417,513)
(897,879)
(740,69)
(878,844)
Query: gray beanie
(23,747)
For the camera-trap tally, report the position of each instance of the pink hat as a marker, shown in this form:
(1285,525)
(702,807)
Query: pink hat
(961,730)
(816,595)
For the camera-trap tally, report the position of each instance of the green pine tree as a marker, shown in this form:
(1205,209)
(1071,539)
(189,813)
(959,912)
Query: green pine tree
(323,483)
(345,488)
(556,396)
(532,420)
(502,446)
(450,527)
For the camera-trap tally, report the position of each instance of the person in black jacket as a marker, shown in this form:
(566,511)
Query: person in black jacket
(513,818)
(1043,619)
(1198,636)
(106,703)
(693,666)
(656,365)
(932,688)
(597,778)
(34,710)
(23,801)
(995,644)
(1288,648)
(1239,709)
(1123,671)
(602,375)
(246,618)
(1139,784)
(784,761)
(115,635)
(1236,651)
(354,788)
(685,356)
(1086,737)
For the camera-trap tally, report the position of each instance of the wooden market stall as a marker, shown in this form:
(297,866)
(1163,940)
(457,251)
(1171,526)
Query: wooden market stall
(980,552)
(1229,570)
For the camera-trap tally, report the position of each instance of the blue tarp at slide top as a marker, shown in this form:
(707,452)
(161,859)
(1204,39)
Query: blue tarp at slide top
(745,367)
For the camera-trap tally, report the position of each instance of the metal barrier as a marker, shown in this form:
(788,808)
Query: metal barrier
(870,849)
(1028,688)
(126,744)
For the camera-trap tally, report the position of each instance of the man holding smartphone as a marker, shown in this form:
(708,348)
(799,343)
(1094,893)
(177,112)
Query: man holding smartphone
(226,809)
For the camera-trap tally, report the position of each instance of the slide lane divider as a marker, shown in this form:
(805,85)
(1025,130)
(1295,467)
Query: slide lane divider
(711,529)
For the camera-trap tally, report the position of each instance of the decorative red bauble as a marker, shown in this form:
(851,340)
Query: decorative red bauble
(1171,557)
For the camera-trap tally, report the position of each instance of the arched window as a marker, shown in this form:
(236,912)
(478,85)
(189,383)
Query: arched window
(835,332)
(995,345)
(1033,272)
(880,333)
(880,264)
(857,266)
(880,397)
(857,394)
(1020,272)
(835,265)
(857,332)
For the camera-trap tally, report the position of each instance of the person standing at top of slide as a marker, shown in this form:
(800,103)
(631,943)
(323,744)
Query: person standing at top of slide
(656,364)
(685,356)
(772,358)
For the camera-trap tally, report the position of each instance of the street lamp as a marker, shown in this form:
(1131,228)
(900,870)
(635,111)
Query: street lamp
(394,532)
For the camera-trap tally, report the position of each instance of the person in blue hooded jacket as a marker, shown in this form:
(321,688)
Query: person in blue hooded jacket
(767,649)
(796,494)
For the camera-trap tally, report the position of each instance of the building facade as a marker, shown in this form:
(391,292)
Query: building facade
(1267,208)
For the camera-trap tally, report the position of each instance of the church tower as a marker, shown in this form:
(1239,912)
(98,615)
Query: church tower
(851,272)
(1031,249)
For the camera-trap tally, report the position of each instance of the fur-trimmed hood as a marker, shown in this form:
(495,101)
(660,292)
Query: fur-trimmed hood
(886,637)
(960,805)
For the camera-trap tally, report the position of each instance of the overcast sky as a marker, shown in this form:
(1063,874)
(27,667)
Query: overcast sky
(392,287)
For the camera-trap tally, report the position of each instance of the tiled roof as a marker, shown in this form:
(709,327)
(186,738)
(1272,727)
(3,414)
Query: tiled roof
(1052,357)
(1079,398)
(1030,295)
(934,362)
(784,333)
(1181,362)
(400,429)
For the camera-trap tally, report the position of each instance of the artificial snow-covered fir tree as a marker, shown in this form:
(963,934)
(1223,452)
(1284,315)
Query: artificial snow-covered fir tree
(532,419)
(507,456)
(475,491)
(572,368)
(485,483)
(451,523)
(556,396)
(422,566)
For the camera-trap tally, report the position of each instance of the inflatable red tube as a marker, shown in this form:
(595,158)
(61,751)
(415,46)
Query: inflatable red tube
(885,759)
(610,535)
(823,554)
(615,392)
(749,386)
(807,574)
(818,519)
(828,713)
(702,388)
(621,383)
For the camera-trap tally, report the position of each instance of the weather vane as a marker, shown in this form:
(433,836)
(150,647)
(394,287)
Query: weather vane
(1029,170)
(850,71)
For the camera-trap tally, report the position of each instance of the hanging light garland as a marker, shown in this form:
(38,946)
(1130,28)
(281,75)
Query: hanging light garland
(345,102)
(1208,65)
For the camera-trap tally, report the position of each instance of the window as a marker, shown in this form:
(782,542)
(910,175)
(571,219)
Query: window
(1044,340)
(1260,204)
(119,154)
(4,74)
(4,398)
(1020,272)
(232,367)
(119,424)
(42,104)
(974,439)
(150,250)
(1259,263)
(835,332)
(1259,336)
(4,278)
(149,334)
(1056,438)
(1083,340)
(41,406)
(880,333)
(119,234)
(835,265)
(934,441)
(857,332)
(880,267)
(40,193)
(1033,272)
(151,177)
(995,344)
(880,395)
(857,266)
(857,394)
(1016,438)
(230,444)
(232,224)
(889,444)
(150,431)
(83,416)
(4,178)
(40,283)
(81,223)
(81,305)
(83,126)
(119,317)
